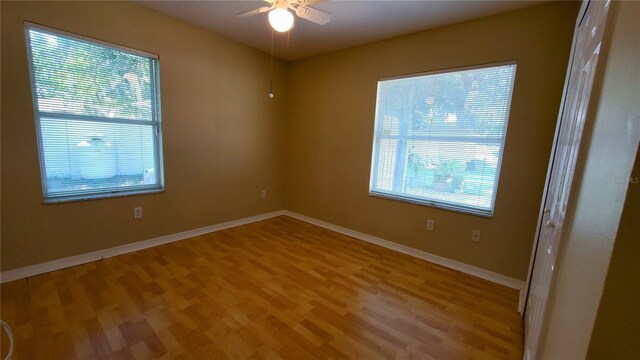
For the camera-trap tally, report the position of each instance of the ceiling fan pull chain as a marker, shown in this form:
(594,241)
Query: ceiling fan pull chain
(271,69)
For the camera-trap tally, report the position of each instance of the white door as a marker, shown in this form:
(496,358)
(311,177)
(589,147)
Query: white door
(587,42)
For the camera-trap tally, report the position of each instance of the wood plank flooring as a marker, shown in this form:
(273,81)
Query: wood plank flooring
(275,289)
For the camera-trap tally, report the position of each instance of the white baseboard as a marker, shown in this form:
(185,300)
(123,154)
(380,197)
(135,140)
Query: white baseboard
(27,271)
(58,264)
(467,269)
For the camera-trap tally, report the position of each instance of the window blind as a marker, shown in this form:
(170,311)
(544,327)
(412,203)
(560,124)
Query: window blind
(97,110)
(439,138)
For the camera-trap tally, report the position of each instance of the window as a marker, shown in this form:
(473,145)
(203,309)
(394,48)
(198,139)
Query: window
(97,110)
(439,137)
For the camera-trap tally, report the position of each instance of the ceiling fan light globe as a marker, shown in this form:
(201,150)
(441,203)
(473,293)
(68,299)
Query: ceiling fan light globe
(281,20)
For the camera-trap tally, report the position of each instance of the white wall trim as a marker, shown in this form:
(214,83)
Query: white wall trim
(452,264)
(522,299)
(37,269)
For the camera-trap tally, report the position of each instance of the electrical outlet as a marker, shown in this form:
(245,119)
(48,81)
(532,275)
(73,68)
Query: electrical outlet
(430,225)
(263,193)
(475,235)
(137,212)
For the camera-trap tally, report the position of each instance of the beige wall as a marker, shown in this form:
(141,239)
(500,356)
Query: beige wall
(610,143)
(223,138)
(330,131)
(617,327)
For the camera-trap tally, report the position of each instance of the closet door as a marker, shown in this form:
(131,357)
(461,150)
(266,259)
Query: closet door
(587,43)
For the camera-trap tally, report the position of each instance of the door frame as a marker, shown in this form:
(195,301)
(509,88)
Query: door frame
(524,293)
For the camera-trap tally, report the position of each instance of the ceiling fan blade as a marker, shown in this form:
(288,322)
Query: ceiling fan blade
(255,12)
(313,15)
(308,2)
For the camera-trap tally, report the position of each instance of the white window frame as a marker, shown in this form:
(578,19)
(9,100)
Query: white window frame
(427,202)
(155,123)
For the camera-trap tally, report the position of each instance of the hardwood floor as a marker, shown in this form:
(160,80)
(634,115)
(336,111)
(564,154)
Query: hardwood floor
(279,288)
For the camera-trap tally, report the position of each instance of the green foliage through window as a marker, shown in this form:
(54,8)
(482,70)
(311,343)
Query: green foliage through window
(81,78)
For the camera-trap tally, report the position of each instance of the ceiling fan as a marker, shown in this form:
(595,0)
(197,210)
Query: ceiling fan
(281,18)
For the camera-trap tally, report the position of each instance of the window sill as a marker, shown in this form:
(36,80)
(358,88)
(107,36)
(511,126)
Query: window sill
(106,195)
(454,208)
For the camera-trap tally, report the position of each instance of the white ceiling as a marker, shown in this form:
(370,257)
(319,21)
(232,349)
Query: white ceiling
(352,23)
